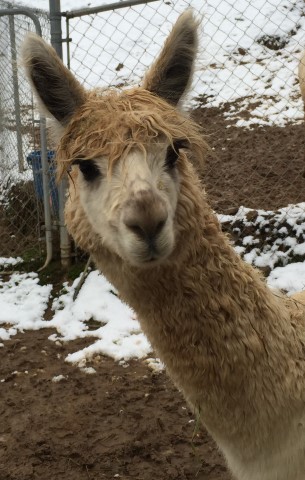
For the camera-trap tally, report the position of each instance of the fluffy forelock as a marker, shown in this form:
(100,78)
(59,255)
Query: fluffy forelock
(111,123)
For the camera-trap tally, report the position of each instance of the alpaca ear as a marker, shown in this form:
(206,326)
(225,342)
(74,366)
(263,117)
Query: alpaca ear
(58,92)
(171,74)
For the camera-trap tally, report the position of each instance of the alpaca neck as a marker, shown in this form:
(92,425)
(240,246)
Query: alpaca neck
(205,295)
(216,295)
(214,323)
(214,292)
(212,320)
(205,281)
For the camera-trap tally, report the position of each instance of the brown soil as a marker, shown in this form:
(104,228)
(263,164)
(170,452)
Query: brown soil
(130,423)
(262,167)
(125,423)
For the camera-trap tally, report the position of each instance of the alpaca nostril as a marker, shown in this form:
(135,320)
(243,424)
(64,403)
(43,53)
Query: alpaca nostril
(145,216)
(137,230)
(160,226)
(146,231)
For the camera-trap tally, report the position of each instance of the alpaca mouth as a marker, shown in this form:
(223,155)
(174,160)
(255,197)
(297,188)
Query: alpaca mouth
(149,263)
(146,251)
(153,258)
(150,259)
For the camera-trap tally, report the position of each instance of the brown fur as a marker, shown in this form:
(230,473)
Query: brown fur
(116,122)
(234,348)
(231,345)
(176,60)
(47,75)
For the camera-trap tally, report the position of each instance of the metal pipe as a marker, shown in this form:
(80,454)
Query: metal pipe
(105,8)
(56,41)
(27,13)
(55,23)
(68,43)
(46,191)
(16,93)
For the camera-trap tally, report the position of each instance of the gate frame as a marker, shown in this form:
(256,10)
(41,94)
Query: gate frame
(42,121)
(56,42)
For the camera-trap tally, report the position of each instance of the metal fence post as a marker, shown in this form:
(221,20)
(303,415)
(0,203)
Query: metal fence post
(56,41)
(46,190)
(16,92)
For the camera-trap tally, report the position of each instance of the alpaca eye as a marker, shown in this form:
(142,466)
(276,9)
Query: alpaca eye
(172,154)
(88,168)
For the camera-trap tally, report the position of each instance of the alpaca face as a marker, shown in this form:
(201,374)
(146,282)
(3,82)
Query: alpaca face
(133,209)
(126,153)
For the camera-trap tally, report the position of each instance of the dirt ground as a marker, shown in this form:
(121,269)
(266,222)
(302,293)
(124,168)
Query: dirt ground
(127,423)
(131,423)
(262,167)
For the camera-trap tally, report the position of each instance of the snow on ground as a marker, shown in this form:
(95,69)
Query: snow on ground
(269,239)
(98,313)
(290,278)
(22,304)
(248,57)
(9,261)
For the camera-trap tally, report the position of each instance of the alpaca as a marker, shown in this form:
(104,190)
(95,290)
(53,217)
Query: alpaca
(233,347)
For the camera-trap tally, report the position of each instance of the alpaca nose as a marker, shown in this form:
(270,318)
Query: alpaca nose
(145,231)
(145,215)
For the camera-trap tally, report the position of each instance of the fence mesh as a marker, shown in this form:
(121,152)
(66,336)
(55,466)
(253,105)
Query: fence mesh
(21,202)
(248,53)
(245,94)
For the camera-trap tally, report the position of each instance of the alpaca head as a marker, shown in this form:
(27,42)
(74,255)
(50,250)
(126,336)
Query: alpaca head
(126,148)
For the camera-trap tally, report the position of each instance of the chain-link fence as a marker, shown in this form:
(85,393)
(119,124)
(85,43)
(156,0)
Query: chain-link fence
(22,221)
(245,92)
(245,95)
(248,53)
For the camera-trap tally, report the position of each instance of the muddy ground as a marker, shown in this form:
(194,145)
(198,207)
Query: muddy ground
(261,167)
(131,423)
(126,423)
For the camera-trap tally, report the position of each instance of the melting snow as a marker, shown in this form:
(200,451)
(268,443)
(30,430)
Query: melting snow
(237,63)
(22,304)
(10,261)
(98,312)
(248,57)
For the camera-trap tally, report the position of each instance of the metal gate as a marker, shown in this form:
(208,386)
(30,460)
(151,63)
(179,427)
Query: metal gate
(28,194)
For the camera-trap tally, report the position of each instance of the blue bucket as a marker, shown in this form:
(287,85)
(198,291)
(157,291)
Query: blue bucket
(34,160)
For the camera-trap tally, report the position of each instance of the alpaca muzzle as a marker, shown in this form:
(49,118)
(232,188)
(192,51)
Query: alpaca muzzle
(145,215)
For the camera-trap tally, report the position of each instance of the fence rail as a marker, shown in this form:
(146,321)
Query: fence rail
(105,8)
